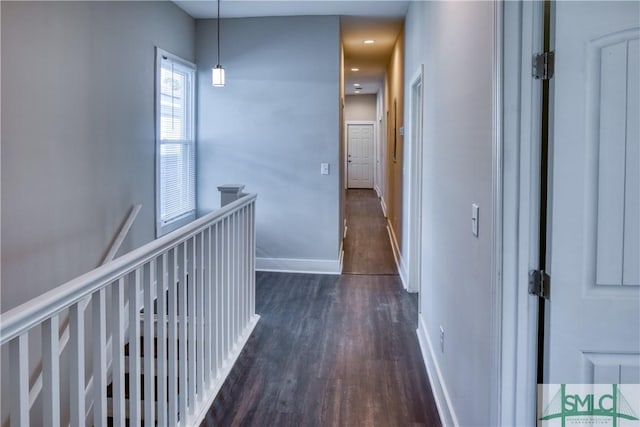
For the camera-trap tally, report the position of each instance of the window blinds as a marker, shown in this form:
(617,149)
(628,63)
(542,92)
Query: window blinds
(176,141)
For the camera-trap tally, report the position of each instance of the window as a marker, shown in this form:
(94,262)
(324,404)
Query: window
(175,142)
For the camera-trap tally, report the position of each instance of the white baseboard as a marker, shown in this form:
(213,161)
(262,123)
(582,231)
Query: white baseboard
(384,207)
(313,266)
(438,386)
(402,269)
(375,187)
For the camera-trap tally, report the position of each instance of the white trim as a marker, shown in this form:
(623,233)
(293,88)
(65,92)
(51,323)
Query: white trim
(163,228)
(288,265)
(436,380)
(373,148)
(414,243)
(383,205)
(402,269)
(521,180)
(496,220)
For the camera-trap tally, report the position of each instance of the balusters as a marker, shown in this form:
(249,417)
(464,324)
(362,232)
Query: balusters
(226,307)
(148,340)
(199,319)
(76,351)
(206,342)
(134,348)
(191,325)
(117,347)
(98,307)
(19,356)
(252,259)
(182,358)
(50,371)
(172,353)
(218,299)
(161,335)
(198,301)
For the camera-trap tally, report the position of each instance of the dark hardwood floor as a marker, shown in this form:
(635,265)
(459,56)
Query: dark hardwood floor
(367,248)
(330,351)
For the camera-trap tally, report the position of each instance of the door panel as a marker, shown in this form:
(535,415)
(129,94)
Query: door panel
(360,156)
(593,332)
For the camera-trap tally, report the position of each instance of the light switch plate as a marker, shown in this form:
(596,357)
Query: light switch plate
(324,168)
(474,219)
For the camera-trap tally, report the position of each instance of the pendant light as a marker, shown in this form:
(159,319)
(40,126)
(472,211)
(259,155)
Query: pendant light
(217,73)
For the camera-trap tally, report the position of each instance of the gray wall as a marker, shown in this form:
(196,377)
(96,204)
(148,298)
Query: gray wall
(78,133)
(360,107)
(270,127)
(455,42)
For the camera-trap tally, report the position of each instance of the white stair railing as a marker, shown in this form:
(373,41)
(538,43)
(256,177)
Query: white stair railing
(188,302)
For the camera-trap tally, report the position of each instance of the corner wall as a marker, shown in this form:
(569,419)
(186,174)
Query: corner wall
(272,125)
(454,40)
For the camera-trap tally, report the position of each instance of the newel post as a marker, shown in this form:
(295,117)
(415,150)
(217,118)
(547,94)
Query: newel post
(230,193)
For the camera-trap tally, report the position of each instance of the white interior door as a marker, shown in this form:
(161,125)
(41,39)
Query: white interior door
(360,155)
(593,329)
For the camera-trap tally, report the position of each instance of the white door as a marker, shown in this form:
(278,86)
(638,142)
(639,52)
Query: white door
(360,155)
(593,332)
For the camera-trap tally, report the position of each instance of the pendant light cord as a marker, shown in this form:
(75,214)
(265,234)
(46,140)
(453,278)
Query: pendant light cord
(218,32)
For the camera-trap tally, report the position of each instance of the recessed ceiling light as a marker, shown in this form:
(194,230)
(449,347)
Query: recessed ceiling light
(357,91)
(356,84)
(355,69)
(368,41)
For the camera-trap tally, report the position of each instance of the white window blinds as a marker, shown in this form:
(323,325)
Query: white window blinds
(176,143)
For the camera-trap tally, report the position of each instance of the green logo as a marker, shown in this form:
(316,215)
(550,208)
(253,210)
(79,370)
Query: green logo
(589,408)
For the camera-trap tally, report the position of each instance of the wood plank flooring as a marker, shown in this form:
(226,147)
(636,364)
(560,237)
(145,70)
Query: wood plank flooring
(329,351)
(367,248)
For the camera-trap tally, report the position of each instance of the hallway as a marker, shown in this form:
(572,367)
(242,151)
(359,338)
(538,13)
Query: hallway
(333,350)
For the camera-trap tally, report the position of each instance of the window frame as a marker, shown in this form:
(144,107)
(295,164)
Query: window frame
(164,227)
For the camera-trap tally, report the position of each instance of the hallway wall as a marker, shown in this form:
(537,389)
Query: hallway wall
(454,40)
(360,108)
(394,106)
(270,127)
(78,133)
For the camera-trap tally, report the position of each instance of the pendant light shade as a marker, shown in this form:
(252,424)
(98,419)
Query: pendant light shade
(217,73)
(217,76)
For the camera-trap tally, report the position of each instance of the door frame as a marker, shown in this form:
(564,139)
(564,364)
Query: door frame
(416,143)
(522,26)
(346,149)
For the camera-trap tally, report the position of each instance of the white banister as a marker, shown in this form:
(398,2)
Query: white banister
(167,322)
(37,385)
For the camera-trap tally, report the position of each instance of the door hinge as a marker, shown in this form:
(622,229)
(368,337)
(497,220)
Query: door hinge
(543,65)
(539,282)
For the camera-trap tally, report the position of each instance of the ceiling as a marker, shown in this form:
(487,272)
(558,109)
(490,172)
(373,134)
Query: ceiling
(370,59)
(203,9)
(378,20)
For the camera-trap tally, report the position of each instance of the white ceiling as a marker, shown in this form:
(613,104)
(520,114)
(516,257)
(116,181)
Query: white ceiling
(380,20)
(203,9)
